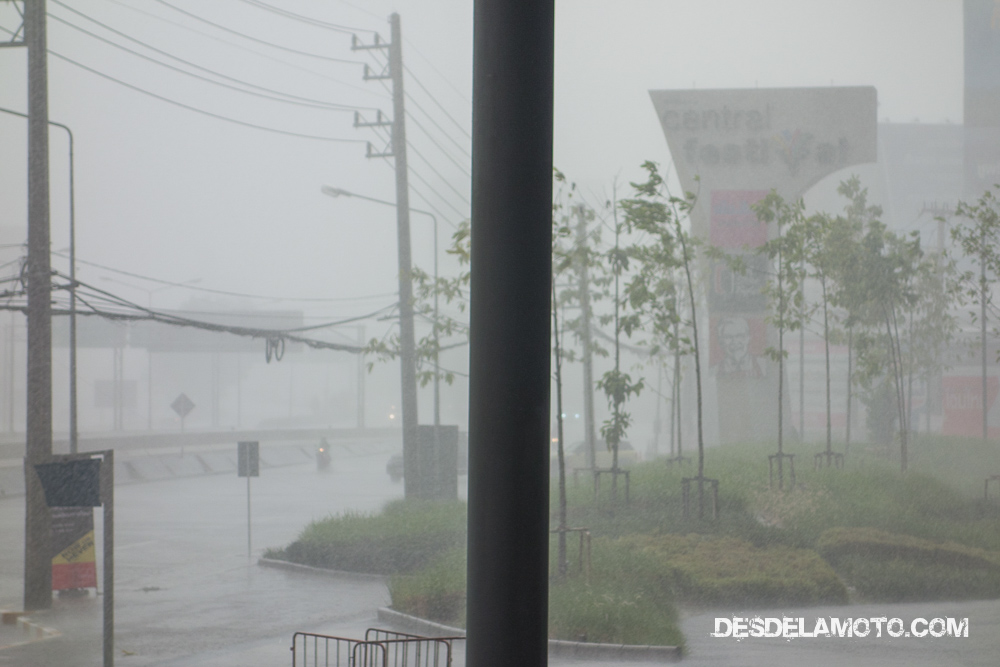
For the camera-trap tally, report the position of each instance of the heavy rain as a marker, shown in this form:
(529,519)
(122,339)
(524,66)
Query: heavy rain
(499,333)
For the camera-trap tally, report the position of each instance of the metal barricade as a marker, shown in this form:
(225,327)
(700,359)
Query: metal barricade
(379,648)
(407,650)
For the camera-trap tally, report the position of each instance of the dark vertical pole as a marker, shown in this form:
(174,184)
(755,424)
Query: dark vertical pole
(510,333)
(248,514)
(37,559)
(73,431)
(588,356)
(149,389)
(108,500)
(982,333)
(361,379)
(412,478)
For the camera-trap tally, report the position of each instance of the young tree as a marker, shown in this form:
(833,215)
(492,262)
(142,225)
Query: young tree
(617,385)
(979,239)
(562,262)
(880,292)
(820,255)
(663,271)
(591,283)
(452,329)
(784,288)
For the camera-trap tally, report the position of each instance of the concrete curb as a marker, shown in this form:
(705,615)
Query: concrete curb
(418,625)
(33,632)
(582,650)
(340,574)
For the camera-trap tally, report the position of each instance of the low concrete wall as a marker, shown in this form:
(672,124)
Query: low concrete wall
(580,650)
(12,445)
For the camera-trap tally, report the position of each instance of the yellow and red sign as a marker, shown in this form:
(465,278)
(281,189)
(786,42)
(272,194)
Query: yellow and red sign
(74,554)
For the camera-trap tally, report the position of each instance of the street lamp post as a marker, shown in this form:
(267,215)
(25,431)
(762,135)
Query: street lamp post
(338,192)
(72,287)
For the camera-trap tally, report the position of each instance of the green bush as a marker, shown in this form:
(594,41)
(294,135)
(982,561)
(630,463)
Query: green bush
(436,592)
(405,536)
(626,602)
(888,567)
(724,570)
(603,612)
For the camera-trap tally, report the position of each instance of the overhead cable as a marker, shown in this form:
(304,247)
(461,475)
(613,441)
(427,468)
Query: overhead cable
(224,292)
(291,99)
(252,39)
(304,19)
(247,49)
(182,105)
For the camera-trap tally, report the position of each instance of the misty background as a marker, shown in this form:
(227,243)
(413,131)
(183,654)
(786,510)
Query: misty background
(227,218)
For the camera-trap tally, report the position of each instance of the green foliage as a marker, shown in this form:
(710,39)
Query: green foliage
(662,278)
(428,294)
(709,570)
(405,536)
(978,235)
(890,567)
(604,613)
(436,592)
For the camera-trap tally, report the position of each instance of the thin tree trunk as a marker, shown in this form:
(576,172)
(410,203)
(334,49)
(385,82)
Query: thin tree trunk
(826,345)
(897,381)
(850,353)
(982,332)
(674,397)
(781,357)
(677,379)
(563,565)
(909,378)
(697,373)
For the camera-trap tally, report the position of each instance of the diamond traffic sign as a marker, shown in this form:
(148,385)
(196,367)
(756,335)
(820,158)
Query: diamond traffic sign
(182,405)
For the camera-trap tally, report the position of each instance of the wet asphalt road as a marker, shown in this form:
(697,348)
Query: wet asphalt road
(184,584)
(187,594)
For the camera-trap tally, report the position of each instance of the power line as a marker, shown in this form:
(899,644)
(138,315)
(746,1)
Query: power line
(247,49)
(455,162)
(429,116)
(166,318)
(434,99)
(292,99)
(438,173)
(223,292)
(360,9)
(304,19)
(428,163)
(245,36)
(459,146)
(430,187)
(438,72)
(196,109)
(427,201)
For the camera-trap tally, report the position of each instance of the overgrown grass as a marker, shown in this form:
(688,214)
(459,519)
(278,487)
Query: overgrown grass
(710,570)
(403,537)
(926,534)
(628,599)
(436,592)
(889,567)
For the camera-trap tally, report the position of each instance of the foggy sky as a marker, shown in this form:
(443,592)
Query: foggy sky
(168,193)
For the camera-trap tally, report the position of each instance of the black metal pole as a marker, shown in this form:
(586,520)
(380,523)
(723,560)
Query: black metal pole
(510,333)
(108,500)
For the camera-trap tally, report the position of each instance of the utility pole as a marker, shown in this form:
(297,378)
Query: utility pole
(361,379)
(413,478)
(38,432)
(583,279)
